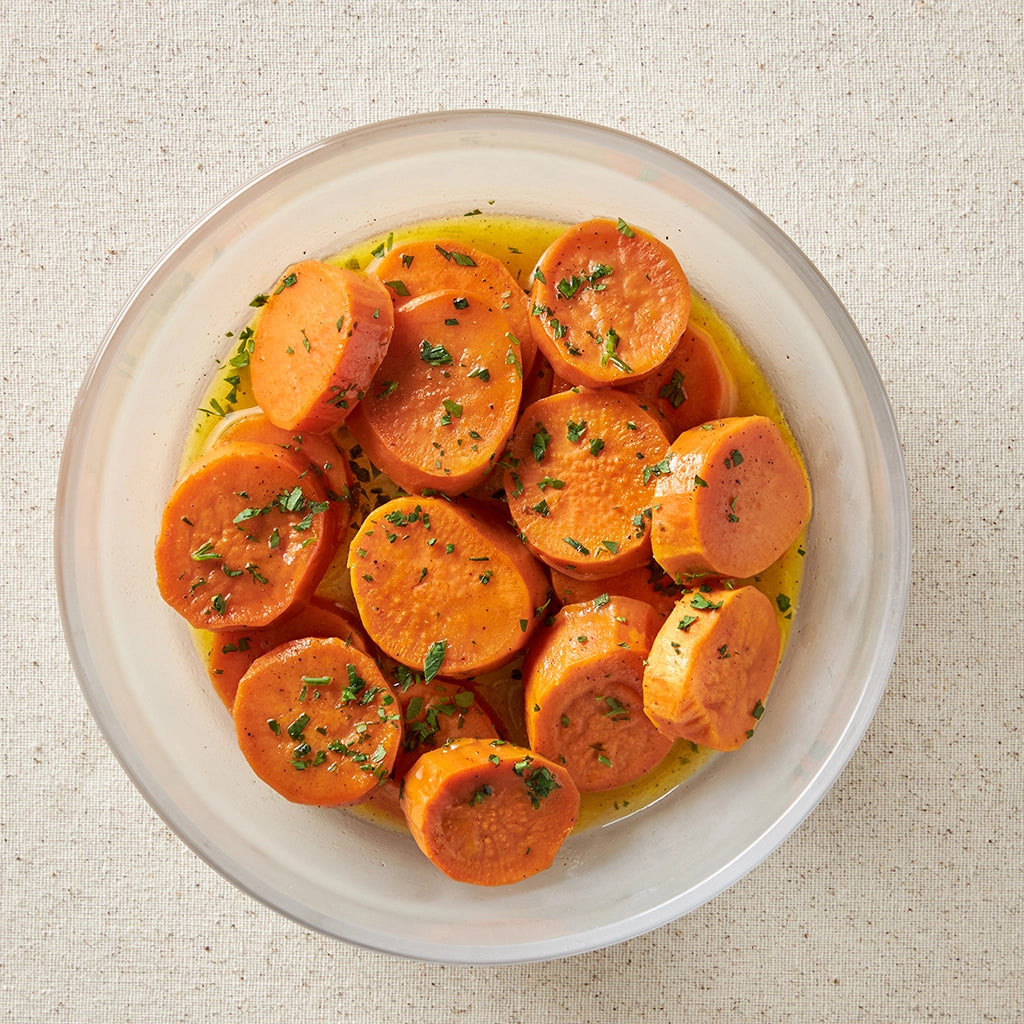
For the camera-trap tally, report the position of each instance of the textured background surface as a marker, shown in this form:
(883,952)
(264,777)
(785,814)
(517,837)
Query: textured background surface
(886,140)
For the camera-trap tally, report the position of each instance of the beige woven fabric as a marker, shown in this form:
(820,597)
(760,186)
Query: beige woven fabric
(886,139)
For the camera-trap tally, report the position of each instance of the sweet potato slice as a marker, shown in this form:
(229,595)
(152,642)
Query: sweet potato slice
(443,588)
(435,713)
(648,583)
(580,480)
(609,303)
(488,812)
(584,692)
(445,399)
(711,666)
(232,652)
(418,266)
(317,721)
(693,385)
(319,340)
(734,497)
(326,460)
(245,537)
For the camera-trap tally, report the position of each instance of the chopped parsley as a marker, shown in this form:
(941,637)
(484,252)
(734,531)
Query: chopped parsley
(434,355)
(434,659)
(673,392)
(541,439)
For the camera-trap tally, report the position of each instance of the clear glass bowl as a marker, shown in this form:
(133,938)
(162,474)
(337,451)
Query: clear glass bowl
(336,872)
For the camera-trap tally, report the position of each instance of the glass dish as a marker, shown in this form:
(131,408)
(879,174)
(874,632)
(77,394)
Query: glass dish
(337,872)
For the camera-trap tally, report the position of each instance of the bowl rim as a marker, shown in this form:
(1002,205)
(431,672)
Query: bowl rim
(874,684)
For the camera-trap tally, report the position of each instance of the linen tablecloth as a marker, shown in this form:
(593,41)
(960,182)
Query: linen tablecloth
(886,139)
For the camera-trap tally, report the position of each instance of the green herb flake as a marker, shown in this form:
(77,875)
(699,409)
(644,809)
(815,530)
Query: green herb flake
(295,730)
(540,783)
(617,711)
(624,229)
(204,552)
(610,344)
(569,286)
(434,355)
(274,726)
(451,409)
(575,431)
(576,545)
(482,793)
(511,359)
(658,469)
(545,482)
(254,571)
(434,659)
(287,282)
(673,392)
(356,684)
(541,439)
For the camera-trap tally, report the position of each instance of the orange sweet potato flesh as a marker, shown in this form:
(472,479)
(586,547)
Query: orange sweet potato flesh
(584,692)
(735,496)
(445,399)
(435,713)
(692,386)
(326,460)
(232,652)
(609,303)
(245,537)
(580,481)
(539,382)
(416,267)
(711,666)
(429,575)
(319,340)
(648,583)
(487,812)
(317,722)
